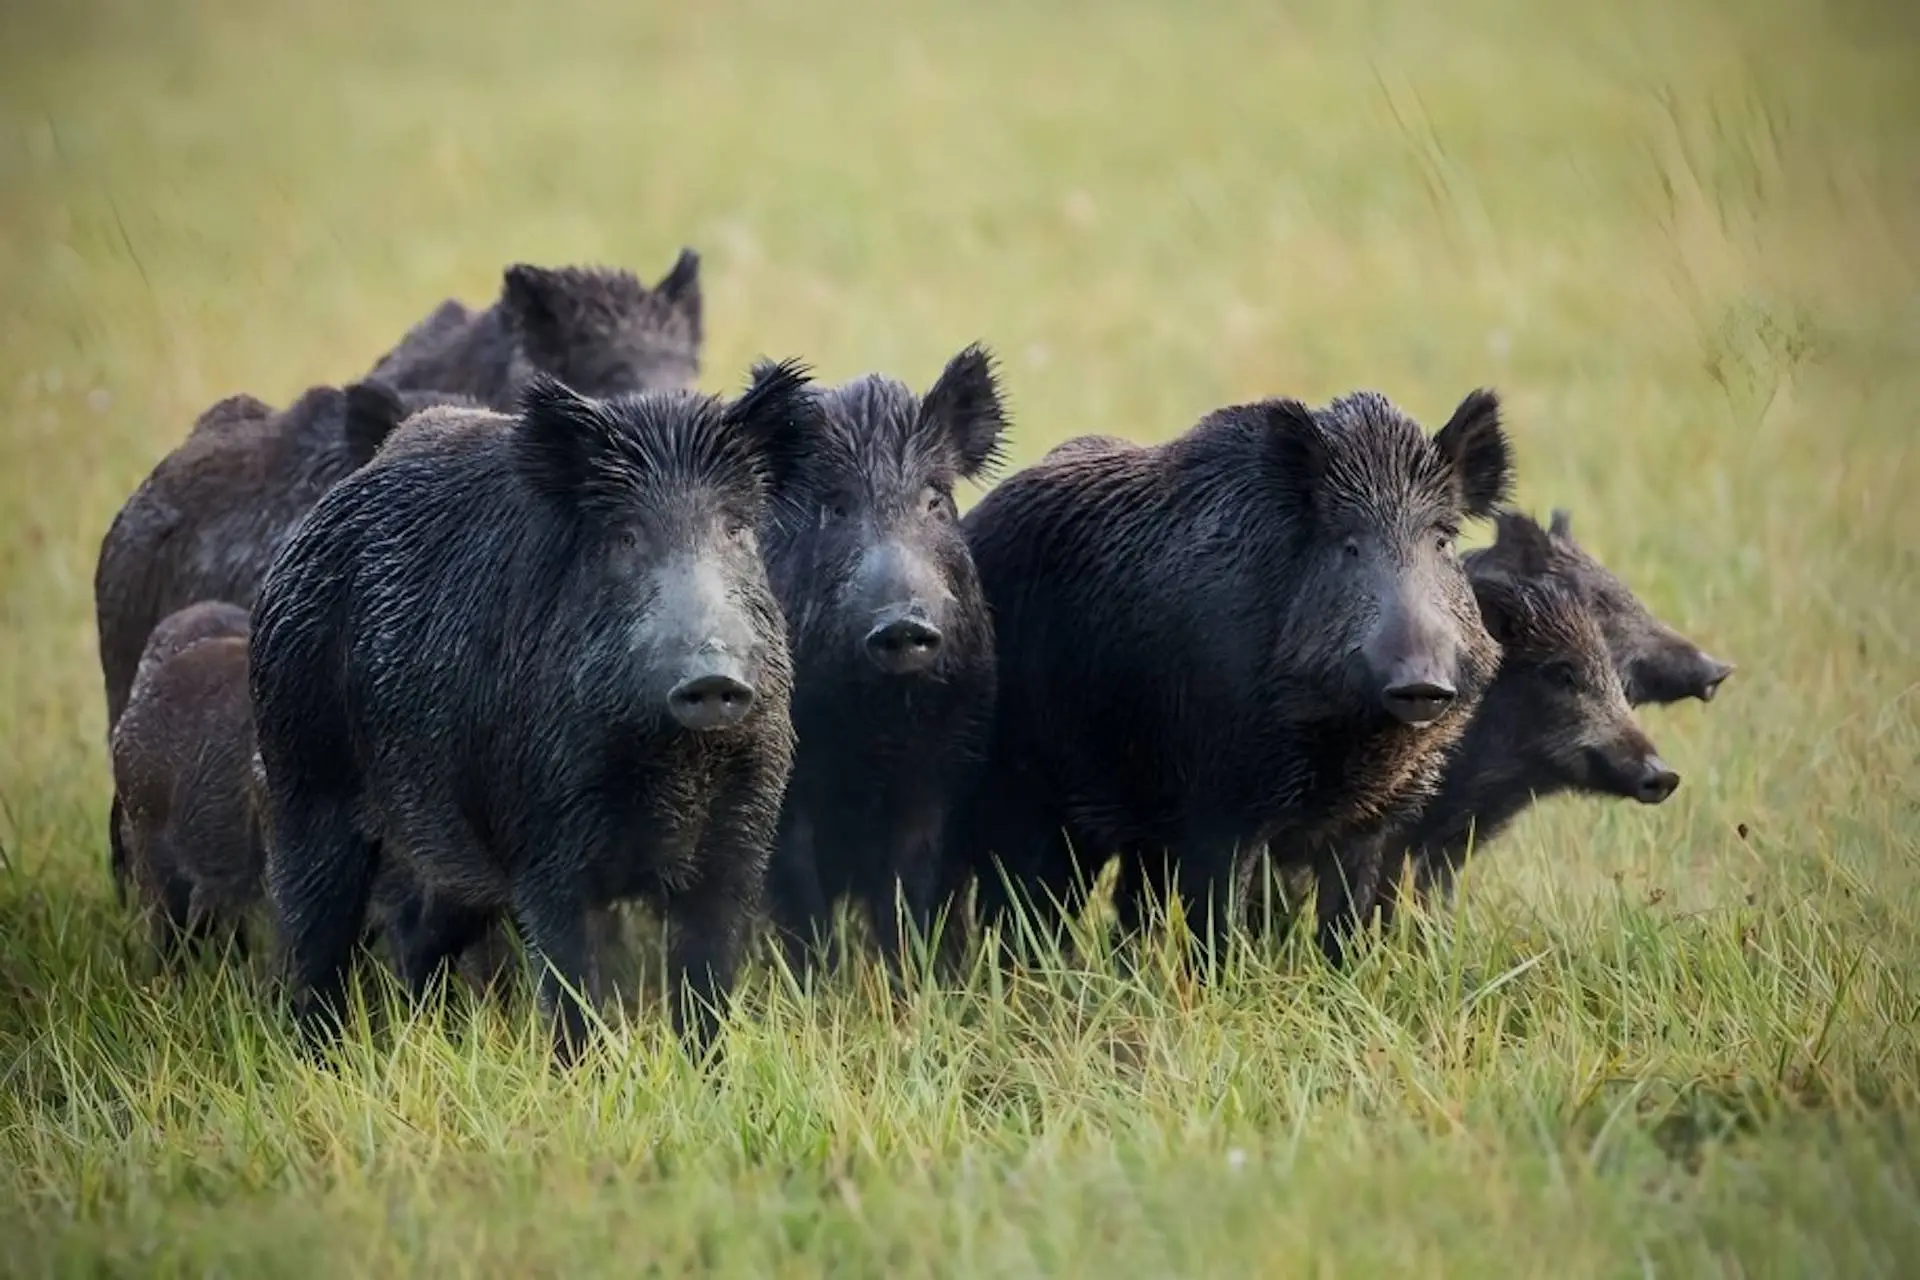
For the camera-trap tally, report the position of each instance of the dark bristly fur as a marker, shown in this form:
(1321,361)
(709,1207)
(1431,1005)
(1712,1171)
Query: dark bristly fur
(865,535)
(472,658)
(207,521)
(1188,641)
(183,781)
(1657,663)
(597,329)
(1554,720)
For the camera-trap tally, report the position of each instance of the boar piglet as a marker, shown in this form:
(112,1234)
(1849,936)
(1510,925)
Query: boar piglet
(1258,632)
(597,329)
(543,670)
(1554,720)
(1657,664)
(185,805)
(893,649)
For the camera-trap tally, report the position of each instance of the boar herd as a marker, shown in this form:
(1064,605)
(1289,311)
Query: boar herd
(521,626)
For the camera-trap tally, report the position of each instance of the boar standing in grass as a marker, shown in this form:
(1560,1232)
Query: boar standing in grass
(1256,634)
(1555,719)
(1657,664)
(893,649)
(597,329)
(544,669)
(208,520)
(185,801)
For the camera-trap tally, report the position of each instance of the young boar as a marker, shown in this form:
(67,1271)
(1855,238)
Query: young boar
(185,807)
(543,669)
(1656,663)
(1258,633)
(893,649)
(597,329)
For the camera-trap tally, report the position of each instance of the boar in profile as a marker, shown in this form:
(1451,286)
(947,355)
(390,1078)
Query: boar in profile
(185,806)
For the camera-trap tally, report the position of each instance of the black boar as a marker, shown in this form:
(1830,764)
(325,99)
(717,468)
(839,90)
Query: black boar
(1555,719)
(1257,633)
(543,668)
(185,803)
(1656,663)
(597,329)
(893,650)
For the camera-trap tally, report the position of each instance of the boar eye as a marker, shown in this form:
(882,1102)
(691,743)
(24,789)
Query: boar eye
(1444,538)
(1564,675)
(739,530)
(1351,549)
(936,499)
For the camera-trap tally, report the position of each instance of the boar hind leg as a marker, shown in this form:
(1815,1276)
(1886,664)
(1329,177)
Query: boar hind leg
(320,876)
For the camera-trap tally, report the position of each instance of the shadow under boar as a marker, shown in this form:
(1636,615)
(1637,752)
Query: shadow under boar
(892,646)
(186,805)
(1656,663)
(1258,633)
(1555,719)
(597,329)
(544,669)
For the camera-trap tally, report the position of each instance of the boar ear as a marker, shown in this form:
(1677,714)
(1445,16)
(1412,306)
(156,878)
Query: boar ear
(965,402)
(559,436)
(1562,524)
(1475,444)
(1296,445)
(680,289)
(779,415)
(535,299)
(1520,546)
(373,410)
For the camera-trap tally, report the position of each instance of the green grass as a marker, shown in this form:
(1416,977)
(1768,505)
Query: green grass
(1681,240)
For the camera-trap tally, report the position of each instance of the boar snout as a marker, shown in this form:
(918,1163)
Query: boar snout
(712,699)
(1654,781)
(904,642)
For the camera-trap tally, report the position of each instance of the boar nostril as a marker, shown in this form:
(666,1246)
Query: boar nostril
(710,702)
(904,645)
(1717,672)
(1656,782)
(1417,701)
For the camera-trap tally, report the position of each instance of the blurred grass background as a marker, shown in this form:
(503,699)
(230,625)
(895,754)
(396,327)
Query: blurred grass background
(1683,240)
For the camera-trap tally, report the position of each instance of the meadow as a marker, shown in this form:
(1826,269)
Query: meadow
(1681,239)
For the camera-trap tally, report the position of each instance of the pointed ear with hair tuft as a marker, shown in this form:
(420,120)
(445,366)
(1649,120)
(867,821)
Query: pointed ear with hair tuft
(373,410)
(559,436)
(1521,548)
(1297,446)
(682,279)
(778,415)
(965,402)
(680,290)
(1562,524)
(535,298)
(1474,442)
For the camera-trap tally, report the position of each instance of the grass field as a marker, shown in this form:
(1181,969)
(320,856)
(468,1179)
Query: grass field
(1683,240)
